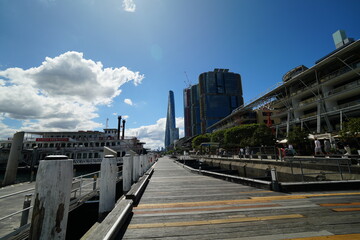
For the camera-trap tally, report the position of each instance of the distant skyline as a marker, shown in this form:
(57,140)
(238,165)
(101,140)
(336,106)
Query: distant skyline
(69,65)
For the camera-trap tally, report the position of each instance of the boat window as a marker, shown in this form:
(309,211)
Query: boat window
(84,155)
(78,156)
(90,155)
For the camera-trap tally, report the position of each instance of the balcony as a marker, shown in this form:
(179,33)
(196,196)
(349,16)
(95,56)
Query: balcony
(345,87)
(308,101)
(340,71)
(349,104)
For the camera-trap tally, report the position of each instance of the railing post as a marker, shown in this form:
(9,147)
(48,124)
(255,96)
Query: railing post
(95,180)
(25,213)
(81,181)
(52,198)
(107,185)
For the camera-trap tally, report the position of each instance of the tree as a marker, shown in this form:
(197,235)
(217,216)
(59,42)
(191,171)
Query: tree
(200,139)
(240,135)
(262,136)
(351,131)
(299,139)
(218,136)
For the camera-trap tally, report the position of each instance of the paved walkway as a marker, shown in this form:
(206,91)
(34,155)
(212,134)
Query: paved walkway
(178,204)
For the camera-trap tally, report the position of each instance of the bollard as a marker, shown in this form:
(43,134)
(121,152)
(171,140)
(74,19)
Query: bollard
(26,210)
(107,185)
(95,180)
(135,168)
(51,198)
(127,173)
(274,180)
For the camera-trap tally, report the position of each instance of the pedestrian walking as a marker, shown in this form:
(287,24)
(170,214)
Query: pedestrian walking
(317,147)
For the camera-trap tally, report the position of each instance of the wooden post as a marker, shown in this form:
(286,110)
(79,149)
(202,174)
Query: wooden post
(13,160)
(135,168)
(52,198)
(127,172)
(108,177)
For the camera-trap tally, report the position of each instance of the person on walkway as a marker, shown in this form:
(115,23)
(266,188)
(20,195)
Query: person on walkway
(291,149)
(317,147)
(327,146)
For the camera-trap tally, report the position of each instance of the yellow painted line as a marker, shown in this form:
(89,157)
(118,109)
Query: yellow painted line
(346,209)
(204,209)
(291,197)
(257,192)
(215,221)
(339,204)
(331,237)
(199,204)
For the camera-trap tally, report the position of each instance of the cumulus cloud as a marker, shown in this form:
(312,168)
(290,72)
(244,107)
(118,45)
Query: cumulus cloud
(129,5)
(63,93)
(128,101)
(154,135)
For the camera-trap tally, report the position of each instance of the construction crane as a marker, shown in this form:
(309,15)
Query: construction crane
(187,82)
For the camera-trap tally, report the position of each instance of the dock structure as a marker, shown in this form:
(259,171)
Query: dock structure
(179,204)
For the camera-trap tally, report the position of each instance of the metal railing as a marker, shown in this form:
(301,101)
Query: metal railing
(81,186)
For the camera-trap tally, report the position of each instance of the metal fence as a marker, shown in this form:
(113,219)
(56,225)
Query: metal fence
(11,221)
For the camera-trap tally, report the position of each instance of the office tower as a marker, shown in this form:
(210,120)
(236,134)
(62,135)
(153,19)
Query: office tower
(187,112)
(220,92)
(171,132)
(195,111)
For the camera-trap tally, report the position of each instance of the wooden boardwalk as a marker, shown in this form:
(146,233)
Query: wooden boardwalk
(178,204)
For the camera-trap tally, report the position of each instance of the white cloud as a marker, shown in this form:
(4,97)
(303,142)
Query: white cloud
(153,135)
(129,5)
(63,93)
(128,101)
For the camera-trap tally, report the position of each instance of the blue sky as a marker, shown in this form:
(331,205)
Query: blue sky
(71,64)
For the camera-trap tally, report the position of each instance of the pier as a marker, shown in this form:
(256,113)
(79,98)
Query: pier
(173,201)
(179,204)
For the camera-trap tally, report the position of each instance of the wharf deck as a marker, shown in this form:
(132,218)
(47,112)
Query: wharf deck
(178,204)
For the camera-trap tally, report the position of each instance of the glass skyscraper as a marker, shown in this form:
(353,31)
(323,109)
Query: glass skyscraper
(218,93)
(171,132)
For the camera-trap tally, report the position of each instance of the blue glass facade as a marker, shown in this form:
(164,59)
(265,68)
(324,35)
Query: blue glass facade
(220,92)
(171,132)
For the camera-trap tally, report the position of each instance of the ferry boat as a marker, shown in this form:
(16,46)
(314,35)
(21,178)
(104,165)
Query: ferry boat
(84,147)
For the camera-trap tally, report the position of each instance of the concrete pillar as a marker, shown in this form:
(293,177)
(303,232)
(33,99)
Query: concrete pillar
(52,198)
(127,172)
(13,160)
(318,117)
(108,174)
(135,168)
